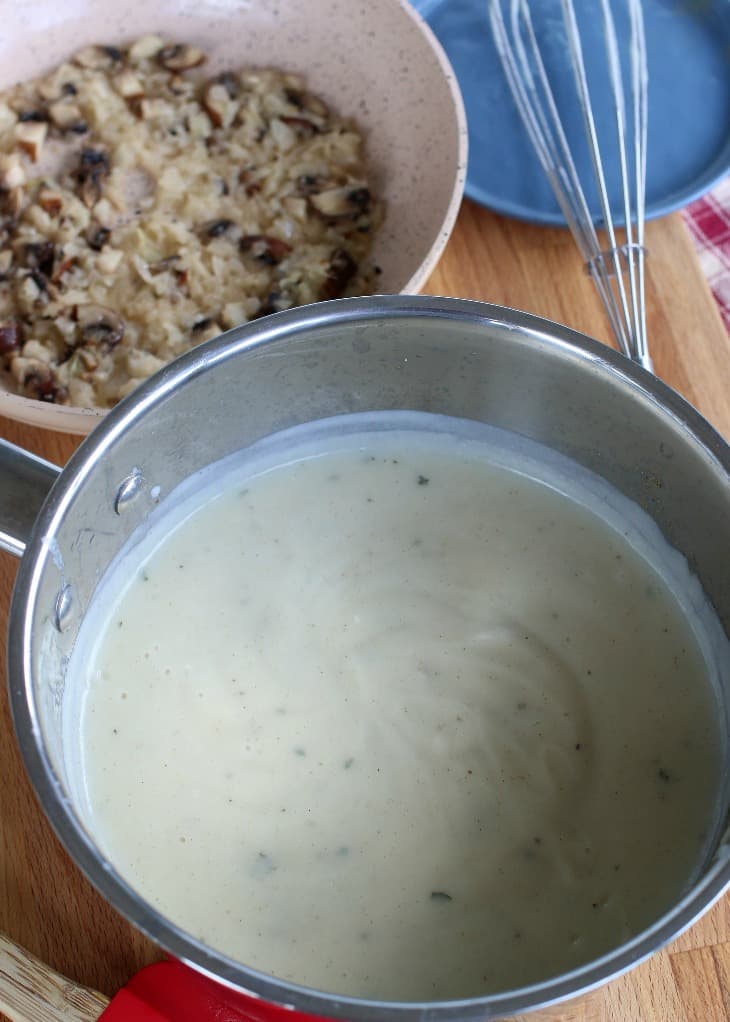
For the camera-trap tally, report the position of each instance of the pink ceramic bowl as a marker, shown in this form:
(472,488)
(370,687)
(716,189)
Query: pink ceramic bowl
(375,61)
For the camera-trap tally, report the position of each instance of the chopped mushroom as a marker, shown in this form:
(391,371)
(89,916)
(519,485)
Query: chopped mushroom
(275,301)
(341,270)
(302,127)
(30,290)
(341,202)
(128,85)
(79,362)
(38,116)
(50,201)
(8,117)
(250,182)
(305,101)
(97,237)
(284,136)
(99,326)
(163,264)
(92,169)
(230,83)
(179,84)
(64,265)
(295,206)
(219,106)
(37,379)
(30,136)
(315,105)
(109,260)
(146,47)
(180,57)
(88,359)
(11,202)
(39,256)
(233,314)
(11,337)
(204,329)
(309,184)
(86,235)
(264,248)
(12,171)
(67,117)
(50,89)
(98,58)
(142,108)
(217,228)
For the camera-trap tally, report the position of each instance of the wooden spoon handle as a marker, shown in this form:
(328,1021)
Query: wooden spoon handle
(31,991)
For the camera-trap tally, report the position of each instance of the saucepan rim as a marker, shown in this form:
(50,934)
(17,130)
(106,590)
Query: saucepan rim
(49,789)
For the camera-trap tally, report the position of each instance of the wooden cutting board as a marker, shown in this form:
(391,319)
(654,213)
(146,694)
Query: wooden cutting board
(45,903)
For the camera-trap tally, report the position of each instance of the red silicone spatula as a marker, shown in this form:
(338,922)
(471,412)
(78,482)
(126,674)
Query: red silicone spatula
(165,992)
(30,991)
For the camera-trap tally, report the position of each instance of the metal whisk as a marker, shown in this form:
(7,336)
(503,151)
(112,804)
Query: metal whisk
(618,269)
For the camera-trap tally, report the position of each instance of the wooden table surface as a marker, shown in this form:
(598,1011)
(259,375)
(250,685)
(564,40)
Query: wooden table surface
(45,903)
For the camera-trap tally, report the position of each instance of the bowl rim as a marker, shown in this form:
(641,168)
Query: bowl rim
(80,420)
(419,278)
(227,973)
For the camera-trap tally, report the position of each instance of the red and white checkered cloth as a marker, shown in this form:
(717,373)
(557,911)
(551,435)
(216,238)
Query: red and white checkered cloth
(708,220)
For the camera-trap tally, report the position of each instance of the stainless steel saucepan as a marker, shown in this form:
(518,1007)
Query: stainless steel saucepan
(447,356)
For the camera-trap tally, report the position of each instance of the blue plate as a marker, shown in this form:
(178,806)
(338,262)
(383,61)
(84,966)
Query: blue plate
(688,53)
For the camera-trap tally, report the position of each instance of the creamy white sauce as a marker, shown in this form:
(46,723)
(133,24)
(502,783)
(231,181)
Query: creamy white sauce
(380,710)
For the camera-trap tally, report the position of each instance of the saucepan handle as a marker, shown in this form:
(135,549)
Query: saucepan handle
(24,484)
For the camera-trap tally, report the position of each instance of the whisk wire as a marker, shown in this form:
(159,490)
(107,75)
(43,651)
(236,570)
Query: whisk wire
(550,141)
(634,249)
(548,138)
(622,314)
(640,93)
(521,56)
